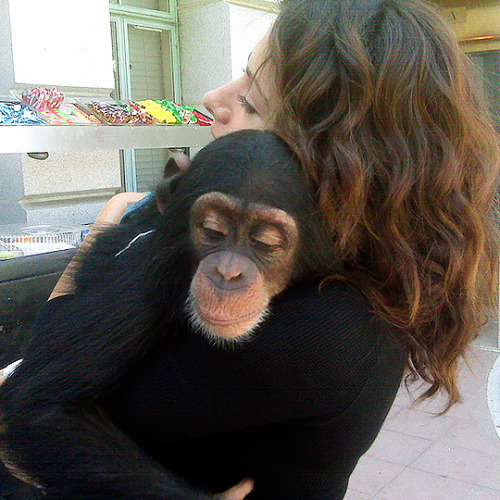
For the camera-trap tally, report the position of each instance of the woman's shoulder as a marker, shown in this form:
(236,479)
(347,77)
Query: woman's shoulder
(335,321)
(322,344)
(321,290)
(329,307)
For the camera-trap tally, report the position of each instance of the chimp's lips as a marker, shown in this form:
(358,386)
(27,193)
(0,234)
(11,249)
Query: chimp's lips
(224,319)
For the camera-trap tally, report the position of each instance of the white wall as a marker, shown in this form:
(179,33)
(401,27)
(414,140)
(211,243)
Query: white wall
(66,43)
(70,187)
(216,38)
(248,26)
(62,42)
(205,47)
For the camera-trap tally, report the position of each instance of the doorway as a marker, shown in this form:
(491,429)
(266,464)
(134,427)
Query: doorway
(146,66)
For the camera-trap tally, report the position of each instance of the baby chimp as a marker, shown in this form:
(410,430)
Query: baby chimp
(246,253)
(221,240)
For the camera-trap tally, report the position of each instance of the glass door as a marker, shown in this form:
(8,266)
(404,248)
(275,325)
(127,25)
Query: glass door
(146,63)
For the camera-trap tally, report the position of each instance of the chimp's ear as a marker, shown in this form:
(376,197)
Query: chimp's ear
(165,191)
(178,161)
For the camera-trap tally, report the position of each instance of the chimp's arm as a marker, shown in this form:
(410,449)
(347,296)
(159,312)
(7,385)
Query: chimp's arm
(51,432)
(229,239)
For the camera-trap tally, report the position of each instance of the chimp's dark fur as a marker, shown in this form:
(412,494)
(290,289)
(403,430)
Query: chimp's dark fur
(51,428)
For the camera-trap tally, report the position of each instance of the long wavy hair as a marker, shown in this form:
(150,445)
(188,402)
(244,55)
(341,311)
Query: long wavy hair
(387,117)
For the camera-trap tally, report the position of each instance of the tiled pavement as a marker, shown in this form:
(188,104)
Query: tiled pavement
(420,456)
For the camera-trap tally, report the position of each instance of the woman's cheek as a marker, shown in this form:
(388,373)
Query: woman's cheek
(239,121)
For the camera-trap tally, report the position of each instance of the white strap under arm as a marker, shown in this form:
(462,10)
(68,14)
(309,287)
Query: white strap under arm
(10,368)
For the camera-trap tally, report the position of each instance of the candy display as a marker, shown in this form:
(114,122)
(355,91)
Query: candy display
(46,105)
(68,114)
(171,112)
(187,114)
(116,113)
(162,114)
(15,113)
(202,119)
(39,98)
(183,114)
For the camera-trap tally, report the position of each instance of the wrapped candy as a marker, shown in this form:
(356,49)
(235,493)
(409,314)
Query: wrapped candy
(50,105)
(202,119)
(129,113)
(147,118)
(39,98)
(158,111)
(185,114)
(182,114)
(68,114)
(12,113)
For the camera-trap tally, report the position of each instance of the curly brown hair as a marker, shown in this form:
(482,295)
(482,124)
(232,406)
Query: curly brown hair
(385,112)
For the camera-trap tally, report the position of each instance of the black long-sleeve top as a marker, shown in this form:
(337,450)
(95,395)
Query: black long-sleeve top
(294,408)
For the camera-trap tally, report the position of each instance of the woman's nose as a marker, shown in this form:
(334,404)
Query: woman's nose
(218,103)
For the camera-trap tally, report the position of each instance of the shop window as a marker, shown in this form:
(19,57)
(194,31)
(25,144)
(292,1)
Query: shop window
(146,67)
(151,77)
(150,63)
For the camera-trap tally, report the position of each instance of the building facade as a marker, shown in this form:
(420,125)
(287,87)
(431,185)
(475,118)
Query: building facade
(136,49)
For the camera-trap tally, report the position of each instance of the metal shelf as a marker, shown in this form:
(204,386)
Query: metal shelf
(50,138)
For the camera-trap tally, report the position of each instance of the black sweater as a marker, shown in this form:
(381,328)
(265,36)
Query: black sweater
(294,408)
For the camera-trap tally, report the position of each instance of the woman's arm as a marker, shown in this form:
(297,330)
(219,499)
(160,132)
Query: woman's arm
(293,408)
(112,213)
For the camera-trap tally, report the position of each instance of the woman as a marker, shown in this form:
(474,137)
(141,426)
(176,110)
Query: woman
(381,107)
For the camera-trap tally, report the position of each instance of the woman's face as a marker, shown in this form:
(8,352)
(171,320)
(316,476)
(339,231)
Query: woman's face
(244,103)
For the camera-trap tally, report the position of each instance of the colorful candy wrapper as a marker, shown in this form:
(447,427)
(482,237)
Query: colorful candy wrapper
(185,114)
(202,119)
(68,114)
(158,111)
(18,114)
(39,98)
(171,107)
(129,113)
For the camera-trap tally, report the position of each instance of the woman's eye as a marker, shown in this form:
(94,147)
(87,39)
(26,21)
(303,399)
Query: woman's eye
(246,105)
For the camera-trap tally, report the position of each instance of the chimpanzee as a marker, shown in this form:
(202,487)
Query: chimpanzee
(217,244)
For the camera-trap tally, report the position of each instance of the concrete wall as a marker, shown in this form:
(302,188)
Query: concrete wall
(70,187)
(11,190)
(248,25)
(11,172)
(40,49)
(205,47)
(216,38)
